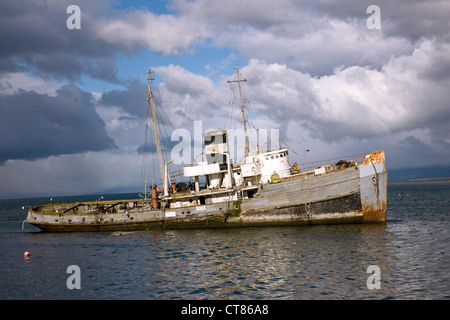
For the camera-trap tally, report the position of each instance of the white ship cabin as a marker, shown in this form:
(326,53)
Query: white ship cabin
(273,165)
(217,167)
(259,168)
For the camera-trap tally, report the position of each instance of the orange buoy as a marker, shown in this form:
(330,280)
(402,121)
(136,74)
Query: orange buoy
(26,254)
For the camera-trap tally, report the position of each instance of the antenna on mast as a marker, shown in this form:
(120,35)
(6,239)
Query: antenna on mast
(239,80)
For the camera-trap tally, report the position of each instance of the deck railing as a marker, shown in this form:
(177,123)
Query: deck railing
(309,166)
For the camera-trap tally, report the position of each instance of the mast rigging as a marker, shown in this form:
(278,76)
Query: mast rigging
(239,80)
(151,104)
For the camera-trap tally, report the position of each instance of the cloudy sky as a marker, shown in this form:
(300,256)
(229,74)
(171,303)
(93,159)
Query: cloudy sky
(73,101)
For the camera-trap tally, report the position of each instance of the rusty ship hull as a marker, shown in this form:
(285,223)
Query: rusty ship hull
(351,194)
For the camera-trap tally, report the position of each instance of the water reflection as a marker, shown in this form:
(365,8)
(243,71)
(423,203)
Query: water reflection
(318,262)
(272,263)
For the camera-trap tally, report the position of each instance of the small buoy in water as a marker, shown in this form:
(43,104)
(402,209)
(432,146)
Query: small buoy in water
(26,254)
(399,194)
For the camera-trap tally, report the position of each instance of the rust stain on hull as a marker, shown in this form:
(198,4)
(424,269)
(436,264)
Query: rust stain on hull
(372,214)
(376,157)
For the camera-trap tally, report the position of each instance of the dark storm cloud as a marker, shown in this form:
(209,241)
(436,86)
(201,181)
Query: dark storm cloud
(420,153)
(166,146)
(34,126)
(132,100)
(411,19)
(34,37)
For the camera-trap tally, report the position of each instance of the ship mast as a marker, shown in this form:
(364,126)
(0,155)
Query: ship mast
(151,103)
(239,80)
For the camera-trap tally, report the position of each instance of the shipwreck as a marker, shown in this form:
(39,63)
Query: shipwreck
(264,190)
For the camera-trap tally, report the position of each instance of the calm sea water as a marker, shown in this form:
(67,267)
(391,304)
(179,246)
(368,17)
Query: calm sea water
(316,262)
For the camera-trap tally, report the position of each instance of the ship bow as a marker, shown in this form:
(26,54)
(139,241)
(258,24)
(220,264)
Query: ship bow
(373,186)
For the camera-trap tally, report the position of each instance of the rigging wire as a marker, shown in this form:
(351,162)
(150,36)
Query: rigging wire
(166,144)
(248,109)
(230,109)
(153,143)
(234,120)
(235,103)
(144,160)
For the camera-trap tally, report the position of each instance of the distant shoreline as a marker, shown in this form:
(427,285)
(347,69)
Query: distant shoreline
(423,180)
(430,179)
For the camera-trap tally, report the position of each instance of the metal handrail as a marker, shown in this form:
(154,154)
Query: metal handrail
(309,166)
